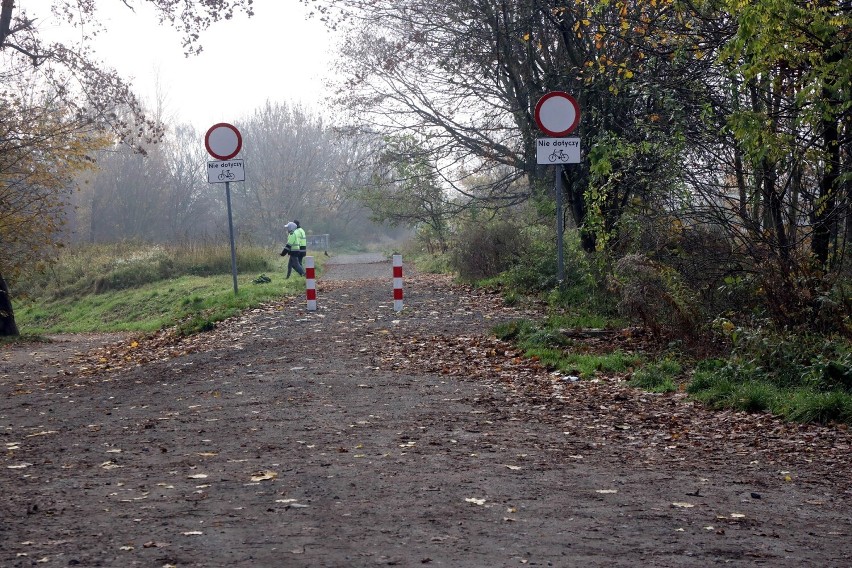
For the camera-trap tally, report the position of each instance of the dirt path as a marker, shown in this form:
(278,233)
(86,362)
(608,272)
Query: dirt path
(356,436)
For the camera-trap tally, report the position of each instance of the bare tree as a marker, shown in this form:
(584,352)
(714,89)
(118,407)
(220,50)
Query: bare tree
(465,76)
(288,167)
(85,97)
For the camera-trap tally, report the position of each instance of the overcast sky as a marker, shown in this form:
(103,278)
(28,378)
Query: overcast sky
(277,54)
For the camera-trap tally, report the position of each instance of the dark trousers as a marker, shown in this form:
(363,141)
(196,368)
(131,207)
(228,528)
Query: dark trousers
(295,263)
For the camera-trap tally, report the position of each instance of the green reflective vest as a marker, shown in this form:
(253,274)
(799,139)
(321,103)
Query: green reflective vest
(297,240)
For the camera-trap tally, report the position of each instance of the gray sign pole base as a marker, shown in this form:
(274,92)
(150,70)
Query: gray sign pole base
(231,234)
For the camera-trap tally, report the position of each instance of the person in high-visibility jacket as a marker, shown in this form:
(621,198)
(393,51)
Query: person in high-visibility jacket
(302,240)
(297,244)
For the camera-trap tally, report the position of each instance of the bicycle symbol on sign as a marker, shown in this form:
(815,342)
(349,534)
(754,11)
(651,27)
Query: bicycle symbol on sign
(228,175)
(558,155)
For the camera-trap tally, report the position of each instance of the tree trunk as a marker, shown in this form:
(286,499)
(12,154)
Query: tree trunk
(5,20)
(774,209)
(577,206)
(8,327)
(825,216)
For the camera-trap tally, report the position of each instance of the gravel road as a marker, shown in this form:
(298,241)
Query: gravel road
(358,436)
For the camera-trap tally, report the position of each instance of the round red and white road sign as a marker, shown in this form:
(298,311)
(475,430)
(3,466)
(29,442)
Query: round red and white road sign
(557,114)
(223,141)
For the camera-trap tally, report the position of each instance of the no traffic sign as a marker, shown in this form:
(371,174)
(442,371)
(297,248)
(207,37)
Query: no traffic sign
(557,114)
(223,141)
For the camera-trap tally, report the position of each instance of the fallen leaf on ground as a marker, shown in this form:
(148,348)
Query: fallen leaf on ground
(264,475)
(45,433)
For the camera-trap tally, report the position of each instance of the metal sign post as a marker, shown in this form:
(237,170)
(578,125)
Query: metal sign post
(231,235)
(560,256)
(223,141)
(557,114)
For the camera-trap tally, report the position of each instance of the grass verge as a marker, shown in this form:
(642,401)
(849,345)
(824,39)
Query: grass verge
(143,289)
(658,376)
(194,303)
(720,384)
(546,343)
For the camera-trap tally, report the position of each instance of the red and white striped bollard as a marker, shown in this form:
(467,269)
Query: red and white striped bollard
(397,282)
(311,283)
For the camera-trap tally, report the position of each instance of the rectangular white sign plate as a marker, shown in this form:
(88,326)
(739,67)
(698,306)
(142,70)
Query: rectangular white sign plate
(557,150)
(228,170)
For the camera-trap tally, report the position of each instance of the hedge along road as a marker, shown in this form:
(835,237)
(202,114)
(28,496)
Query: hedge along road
(357,436)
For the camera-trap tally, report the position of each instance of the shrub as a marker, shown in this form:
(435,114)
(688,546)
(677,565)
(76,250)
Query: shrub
(791,360)
(799,377)
(485,250)
(652,293)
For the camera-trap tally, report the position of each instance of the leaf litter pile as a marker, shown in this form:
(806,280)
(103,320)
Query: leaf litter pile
(662,428)
(444,332)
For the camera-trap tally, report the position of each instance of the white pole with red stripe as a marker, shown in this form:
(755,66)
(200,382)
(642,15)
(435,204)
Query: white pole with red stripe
(397,282)
(311,283)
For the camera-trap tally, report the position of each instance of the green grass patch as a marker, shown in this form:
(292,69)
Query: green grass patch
(587,366)
(432,263)
(513,330)
(145,289)
(122,266)
(747,388)
(546,343)
(658,376)
(193,303)
(823,407)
